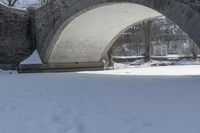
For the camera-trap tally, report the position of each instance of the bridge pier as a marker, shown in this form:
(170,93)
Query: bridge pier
(15,37)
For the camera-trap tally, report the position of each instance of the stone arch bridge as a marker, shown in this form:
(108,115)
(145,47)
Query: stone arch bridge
(82,31)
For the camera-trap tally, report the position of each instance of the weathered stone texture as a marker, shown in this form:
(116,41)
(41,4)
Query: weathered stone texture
(15,44)
(50,18)
(194,4)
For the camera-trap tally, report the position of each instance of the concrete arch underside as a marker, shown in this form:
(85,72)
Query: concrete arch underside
(89,36)
(51,20)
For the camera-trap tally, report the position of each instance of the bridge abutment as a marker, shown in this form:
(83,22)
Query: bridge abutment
(15,37)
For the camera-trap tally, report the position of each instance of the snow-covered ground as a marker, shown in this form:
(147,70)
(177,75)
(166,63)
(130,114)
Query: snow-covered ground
(113,101)
(184,70)
(33,59)
(154,62)
(171,56)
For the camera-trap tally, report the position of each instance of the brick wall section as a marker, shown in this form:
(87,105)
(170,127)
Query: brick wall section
(15,41)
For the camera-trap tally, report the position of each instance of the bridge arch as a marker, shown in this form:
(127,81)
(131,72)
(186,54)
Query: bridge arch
(88,37)
(59,45)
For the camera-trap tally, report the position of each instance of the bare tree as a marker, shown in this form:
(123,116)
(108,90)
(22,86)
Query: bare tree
(44,2)
(11,2)
(136,39)
(147,34)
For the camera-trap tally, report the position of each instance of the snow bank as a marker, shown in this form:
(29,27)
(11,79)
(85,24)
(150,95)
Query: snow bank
(155,71)
(33,59)
(153,62)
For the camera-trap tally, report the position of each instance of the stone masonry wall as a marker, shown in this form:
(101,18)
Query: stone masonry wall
(15,39)
(49,18)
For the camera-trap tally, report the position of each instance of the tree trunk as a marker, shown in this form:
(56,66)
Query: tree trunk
(11,2)
(110,58)
(194,51)
(147,30)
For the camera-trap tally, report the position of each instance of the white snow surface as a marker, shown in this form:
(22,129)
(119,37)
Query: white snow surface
(33,59)
(92,102)
(184,70)
(153,62)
